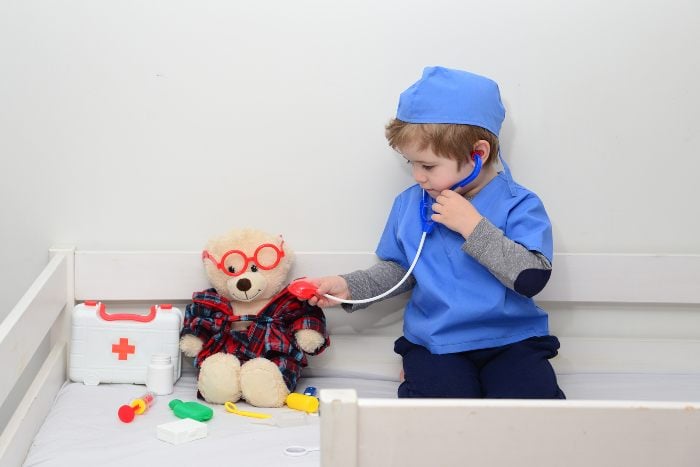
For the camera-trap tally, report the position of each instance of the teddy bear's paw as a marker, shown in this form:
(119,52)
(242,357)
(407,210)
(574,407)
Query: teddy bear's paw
(309,340)
(220,379)
(191,345)
(262,383)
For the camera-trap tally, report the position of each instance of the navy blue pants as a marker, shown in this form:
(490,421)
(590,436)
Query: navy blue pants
(515,371)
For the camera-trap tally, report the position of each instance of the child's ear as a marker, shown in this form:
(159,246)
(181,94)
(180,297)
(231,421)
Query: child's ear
(483,148)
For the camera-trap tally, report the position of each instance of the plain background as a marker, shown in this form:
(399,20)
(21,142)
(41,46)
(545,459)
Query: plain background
(156,124)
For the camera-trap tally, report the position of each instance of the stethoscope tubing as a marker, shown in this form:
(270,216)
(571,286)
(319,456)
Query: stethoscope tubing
(384,294)
(427,224)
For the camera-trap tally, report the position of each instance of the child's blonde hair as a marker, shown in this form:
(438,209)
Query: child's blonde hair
(450,140)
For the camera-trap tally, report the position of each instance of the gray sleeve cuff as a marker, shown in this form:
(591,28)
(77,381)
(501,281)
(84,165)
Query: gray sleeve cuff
(374,281)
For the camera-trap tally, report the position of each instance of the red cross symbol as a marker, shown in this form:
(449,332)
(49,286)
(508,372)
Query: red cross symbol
(123,348)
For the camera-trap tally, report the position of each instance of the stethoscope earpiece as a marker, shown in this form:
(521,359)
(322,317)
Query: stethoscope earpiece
(476,157)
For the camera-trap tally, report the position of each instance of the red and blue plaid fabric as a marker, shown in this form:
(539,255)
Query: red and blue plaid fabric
(270,335)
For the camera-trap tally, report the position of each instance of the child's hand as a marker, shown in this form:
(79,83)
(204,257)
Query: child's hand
(456,213)
(333,285)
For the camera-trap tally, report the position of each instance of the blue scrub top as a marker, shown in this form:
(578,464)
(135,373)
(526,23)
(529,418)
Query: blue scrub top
(457,304)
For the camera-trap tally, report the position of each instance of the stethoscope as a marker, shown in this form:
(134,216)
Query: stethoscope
(305,290)
(426,205)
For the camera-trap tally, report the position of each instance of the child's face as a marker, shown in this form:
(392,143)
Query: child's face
(432,172)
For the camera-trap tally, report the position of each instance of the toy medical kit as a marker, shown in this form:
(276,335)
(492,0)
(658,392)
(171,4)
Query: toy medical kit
(304,289)
(231,407)
(295,451)
(118,347)
(159,376)
(296,401)
(181,431)
(126,413)
(193,410)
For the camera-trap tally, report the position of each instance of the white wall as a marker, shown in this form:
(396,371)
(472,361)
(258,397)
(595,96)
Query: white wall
(138,124)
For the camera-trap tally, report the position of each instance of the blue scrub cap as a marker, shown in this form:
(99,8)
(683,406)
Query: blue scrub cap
(443,95)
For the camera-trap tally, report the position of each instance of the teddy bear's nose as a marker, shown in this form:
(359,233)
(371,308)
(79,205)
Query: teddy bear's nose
(243,285)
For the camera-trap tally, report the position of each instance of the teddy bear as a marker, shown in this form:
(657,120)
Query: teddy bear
(248,334)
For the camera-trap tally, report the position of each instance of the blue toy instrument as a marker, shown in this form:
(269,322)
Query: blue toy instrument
(426,205)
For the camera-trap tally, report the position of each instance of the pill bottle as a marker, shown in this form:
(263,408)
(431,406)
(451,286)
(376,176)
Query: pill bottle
(160,377)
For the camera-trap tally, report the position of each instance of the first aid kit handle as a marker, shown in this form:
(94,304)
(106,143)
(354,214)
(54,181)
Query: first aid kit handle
(102,313)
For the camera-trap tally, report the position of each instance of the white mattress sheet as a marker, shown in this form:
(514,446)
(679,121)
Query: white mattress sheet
(82,428)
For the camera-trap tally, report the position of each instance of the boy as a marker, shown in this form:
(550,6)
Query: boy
(471,328)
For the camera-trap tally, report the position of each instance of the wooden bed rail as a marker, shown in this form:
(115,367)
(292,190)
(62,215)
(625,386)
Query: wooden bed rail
(504,433)
(40,315)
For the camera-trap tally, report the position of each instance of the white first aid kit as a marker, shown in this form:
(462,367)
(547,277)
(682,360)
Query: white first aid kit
(118,347)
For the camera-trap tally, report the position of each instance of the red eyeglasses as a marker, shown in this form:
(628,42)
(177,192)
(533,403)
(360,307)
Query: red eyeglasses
(235,262)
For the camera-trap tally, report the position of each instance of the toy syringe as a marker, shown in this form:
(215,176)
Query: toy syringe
(137,406)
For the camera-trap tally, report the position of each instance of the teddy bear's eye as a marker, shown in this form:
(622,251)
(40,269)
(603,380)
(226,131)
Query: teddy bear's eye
(231,269)
(254,268)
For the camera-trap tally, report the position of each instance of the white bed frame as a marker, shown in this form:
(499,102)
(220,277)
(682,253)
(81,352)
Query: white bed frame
(613,313)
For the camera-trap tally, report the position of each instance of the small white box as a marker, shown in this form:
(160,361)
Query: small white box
(117,347)
(181,431)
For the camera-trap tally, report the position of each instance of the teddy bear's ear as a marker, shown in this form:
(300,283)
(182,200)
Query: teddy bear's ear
(219,244)
(288,251)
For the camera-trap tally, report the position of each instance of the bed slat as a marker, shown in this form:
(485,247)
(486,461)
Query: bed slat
(35,405)
(624,278)
(371,357)
(339,428)
(25,327)
(628,355)
(173,276)
(144,275)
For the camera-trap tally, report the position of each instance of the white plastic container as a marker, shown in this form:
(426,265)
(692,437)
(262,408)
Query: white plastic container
(181,431)
(159,378)
(117,347)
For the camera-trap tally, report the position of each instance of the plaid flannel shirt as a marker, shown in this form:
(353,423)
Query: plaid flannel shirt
(271,332)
